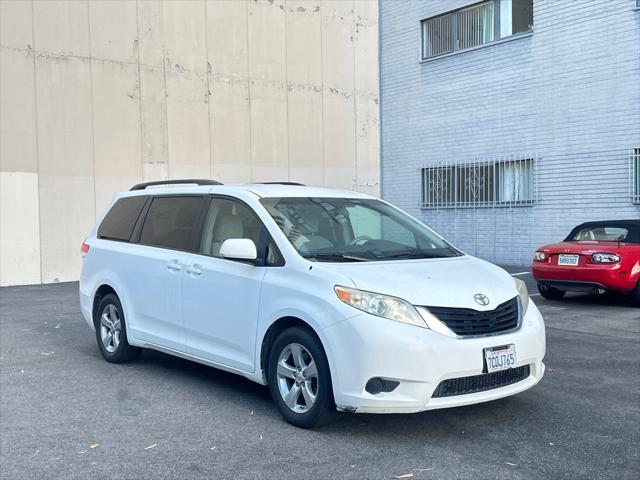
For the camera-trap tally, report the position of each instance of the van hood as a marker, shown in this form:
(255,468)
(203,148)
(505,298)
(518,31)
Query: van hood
(437,282)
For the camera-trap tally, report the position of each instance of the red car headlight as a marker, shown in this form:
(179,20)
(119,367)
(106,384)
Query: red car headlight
(540,257)
(602,257)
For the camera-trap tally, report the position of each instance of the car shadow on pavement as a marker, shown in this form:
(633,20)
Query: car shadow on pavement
(607,299)
(444,423)
(197,372)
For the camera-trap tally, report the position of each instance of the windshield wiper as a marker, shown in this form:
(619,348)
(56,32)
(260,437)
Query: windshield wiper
(335,257)
(414,255)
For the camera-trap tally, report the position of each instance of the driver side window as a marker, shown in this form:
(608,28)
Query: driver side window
(231,219)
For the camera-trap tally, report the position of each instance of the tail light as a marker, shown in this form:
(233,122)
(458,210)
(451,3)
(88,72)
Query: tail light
(602,257)
(539,257)
(84,249)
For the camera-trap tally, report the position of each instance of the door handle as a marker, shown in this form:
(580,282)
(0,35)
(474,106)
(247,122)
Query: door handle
(195,270)
(174,266)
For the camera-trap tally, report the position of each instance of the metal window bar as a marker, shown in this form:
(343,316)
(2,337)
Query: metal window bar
(475,25)
(504,182)
(634,175)
(437,36)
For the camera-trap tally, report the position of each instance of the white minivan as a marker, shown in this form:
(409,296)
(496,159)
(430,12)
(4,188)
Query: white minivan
(334,299)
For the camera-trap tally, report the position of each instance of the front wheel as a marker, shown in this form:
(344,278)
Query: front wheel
(550,293)
(299,377)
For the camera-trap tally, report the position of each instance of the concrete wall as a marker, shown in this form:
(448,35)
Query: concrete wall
(99,95)
(568,94)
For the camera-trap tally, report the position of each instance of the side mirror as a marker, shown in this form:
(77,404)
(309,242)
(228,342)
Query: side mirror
(238,249)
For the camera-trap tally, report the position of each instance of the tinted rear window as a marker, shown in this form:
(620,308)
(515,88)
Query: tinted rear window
(119,222)
(170,221)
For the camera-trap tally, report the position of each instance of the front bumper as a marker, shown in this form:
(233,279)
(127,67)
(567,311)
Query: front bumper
(366,346)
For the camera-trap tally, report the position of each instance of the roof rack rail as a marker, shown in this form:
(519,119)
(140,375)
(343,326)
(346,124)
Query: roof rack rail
(189,181)
(282,183)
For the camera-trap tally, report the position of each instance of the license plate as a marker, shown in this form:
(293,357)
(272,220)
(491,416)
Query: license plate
(500,358)
(571,260)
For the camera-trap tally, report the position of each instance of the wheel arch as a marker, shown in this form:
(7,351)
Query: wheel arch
(275,329)
(102,291)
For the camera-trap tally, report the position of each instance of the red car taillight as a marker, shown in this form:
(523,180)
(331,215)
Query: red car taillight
(84,249)
(540,257)
(602,257)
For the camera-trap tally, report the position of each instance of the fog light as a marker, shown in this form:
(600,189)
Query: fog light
(378,385)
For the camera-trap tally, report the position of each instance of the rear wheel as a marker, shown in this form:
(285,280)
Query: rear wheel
(299,377)
(111,331)
(635,295)
(550,293)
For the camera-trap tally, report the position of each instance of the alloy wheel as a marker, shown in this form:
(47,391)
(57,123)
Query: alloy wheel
(110,328)
(297,376)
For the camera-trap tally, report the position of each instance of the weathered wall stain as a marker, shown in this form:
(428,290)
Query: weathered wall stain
(97,96)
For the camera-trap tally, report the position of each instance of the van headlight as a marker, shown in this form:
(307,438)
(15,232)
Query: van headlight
(380,305)
(523,293)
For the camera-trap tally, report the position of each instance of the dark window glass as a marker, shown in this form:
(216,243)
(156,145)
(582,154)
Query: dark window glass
(119,222)
(522,16)
(170,221)
(230,219)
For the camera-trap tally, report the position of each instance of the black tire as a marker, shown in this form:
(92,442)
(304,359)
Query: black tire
(550,293)
(634,295)
(324,401)
(123,352)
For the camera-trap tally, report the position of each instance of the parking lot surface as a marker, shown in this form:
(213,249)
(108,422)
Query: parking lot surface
(66,413)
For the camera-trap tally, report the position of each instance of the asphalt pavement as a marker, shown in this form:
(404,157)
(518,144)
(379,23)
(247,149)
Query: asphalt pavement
(66,413)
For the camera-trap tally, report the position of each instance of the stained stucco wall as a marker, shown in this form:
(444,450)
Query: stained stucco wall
(99,95)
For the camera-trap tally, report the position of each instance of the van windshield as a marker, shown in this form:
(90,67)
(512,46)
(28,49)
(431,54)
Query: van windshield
(352,230)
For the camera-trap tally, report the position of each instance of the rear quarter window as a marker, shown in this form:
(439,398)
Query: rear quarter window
(119,222)
(170,221)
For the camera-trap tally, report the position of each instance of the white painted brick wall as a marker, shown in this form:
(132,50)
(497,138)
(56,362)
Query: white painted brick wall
(570,93)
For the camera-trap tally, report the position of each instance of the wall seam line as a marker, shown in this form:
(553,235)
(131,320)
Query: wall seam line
(355,107)
(247,6)
(164,78)
(140,93)
(209,69)
(322,99)
(93,140)
(286,89)
(35,102)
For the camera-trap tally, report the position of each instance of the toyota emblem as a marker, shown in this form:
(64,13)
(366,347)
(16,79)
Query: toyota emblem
(481,299)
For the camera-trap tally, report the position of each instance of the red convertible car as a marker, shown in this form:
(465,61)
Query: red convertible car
(596,257)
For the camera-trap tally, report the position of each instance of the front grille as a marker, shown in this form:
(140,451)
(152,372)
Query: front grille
(465,321)
(481,383)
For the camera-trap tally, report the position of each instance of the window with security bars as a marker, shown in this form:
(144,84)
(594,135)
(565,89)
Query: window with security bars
(492,183)
(478,24)
(634,175)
